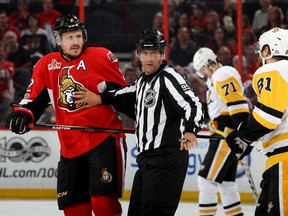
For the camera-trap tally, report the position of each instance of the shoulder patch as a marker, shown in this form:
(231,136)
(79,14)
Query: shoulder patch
(112,57)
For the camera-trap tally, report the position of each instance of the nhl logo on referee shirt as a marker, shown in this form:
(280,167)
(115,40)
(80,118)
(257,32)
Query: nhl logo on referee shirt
(149,99)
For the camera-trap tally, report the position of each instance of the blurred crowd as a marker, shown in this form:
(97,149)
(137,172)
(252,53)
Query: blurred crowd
(25,36)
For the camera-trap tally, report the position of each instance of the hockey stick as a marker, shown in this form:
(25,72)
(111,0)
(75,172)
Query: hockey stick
(104,130)
(81,128)
(245,165)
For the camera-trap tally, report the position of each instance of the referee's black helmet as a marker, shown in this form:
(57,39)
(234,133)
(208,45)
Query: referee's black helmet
(151,40)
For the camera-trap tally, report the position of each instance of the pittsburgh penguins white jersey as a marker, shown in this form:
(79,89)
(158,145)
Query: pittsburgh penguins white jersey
(225,93)
(269,118)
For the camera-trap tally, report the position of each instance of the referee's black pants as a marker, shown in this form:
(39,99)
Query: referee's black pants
(158,182)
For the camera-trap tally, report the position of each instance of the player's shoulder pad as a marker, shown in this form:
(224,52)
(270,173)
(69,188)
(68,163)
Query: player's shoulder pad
(224,73)
(102,51)
(275,67)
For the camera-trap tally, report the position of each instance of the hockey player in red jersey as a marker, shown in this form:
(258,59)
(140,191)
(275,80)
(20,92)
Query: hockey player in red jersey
(91,167)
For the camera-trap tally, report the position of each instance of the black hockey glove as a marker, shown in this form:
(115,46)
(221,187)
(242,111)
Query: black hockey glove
(20,121)
(239,146)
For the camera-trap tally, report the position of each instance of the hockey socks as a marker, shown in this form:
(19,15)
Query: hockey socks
(83,209)
(107,205)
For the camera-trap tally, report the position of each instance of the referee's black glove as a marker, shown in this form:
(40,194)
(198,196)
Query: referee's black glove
(20,121)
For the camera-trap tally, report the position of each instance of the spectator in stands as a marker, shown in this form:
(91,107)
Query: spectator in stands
(198,85)
(207,34)
(224,56)
(5,26)
(275,19)
(135,62)
(22,63)
(19,16)
(6,94)
(48,17)
(182,21)
(198,19)
(182,53)
(173,15)
(220,39)
(285,20)
(244,75)
(158,21)
(246,80)
(200,89)
(66,1)
(247,38)
(261,17)
(229,17)
(246,22)
(252,59)
(130,76)
(35,39)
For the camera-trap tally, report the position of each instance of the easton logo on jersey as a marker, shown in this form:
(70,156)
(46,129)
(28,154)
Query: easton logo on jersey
(67,87)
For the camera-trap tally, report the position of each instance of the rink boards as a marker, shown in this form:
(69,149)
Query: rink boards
(28,166)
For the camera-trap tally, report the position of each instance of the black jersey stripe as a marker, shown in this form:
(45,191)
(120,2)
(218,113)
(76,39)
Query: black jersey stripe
(269,110)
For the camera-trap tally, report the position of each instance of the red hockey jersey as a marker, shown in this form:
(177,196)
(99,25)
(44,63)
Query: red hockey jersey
(93,69)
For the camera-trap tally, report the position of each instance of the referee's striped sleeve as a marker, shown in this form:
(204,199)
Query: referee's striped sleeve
(183,99)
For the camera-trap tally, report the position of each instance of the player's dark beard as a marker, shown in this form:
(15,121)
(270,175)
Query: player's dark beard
(68,56)
(71,57)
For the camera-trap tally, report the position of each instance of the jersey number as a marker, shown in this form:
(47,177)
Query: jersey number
(226,88)
(264,83)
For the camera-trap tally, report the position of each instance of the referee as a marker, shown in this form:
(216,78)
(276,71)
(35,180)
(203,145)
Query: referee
(168,116)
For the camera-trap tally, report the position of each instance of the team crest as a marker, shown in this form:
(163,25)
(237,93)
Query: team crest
(67,87)
(106,176)
(149,99)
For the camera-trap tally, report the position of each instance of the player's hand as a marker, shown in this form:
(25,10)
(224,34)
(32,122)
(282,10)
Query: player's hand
(188,141)
(20,121)
(239,146)
(87,97)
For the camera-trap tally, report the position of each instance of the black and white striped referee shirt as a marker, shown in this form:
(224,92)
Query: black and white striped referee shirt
(163,105)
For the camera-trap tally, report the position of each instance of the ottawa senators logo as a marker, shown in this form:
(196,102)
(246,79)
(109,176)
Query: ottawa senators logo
(106,176)
(67,87)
